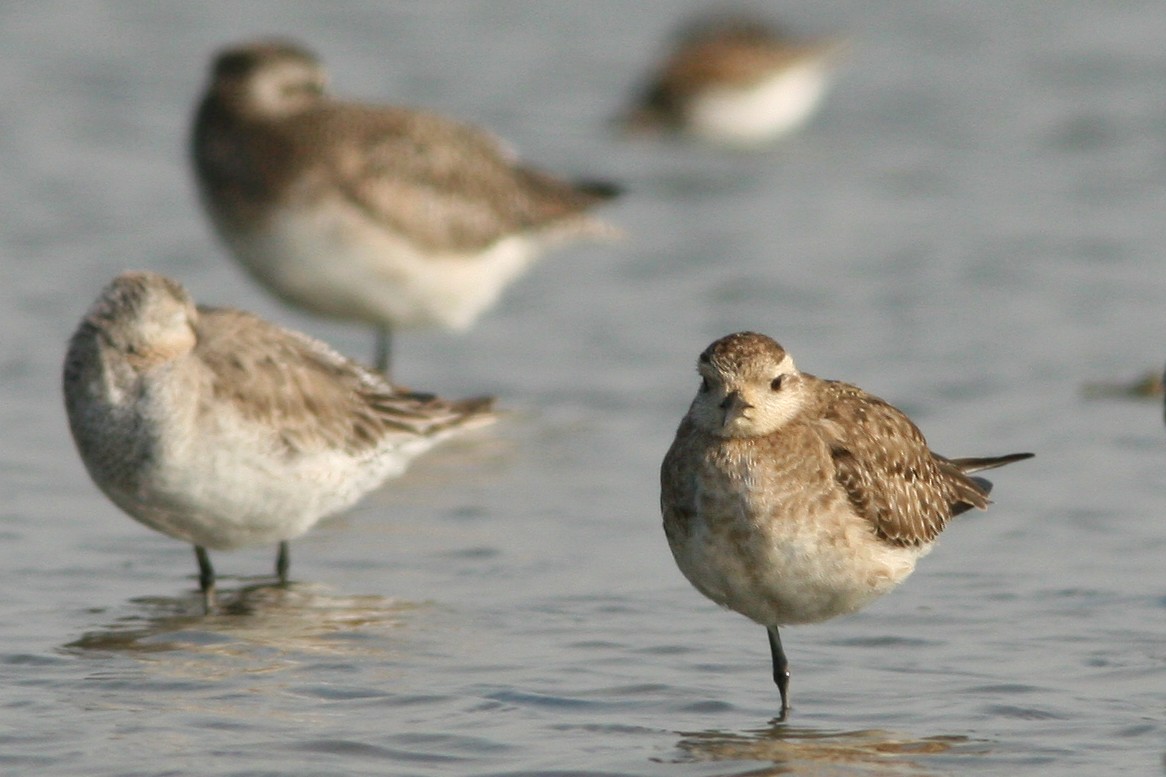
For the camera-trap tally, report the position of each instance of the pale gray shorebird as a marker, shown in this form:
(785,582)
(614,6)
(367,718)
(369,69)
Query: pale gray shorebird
(792,499)
(387,216)
(736,81)
(220,429)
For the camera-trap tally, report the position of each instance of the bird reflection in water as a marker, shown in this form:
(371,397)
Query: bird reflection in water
(299,618)
(800,750)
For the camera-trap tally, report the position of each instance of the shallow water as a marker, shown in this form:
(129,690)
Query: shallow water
(972,228)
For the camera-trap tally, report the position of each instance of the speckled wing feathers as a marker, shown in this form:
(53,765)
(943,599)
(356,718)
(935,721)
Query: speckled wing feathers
(891,477)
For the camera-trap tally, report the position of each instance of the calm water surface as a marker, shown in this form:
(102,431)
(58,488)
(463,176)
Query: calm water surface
(972,228)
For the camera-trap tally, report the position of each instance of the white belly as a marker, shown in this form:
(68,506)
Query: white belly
(225,482)
(335,263)
(760,112)
(791,570)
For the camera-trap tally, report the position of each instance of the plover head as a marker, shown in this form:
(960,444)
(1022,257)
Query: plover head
(268,79)
(146,318)
(749,387)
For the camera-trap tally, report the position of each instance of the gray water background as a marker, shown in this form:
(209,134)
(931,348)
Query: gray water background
(972,228)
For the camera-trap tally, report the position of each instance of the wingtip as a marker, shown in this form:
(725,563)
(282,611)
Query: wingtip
(970,465)
(477,412)
(482,404)
(600,190)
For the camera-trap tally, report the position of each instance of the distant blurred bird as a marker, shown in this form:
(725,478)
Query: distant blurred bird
(219,429)
(1151,385)
(793,499)
(383,215)
(735,81)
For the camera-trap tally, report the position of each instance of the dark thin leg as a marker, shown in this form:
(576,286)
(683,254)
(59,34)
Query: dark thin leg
(780,670)
(282,562)
(384,349)
(206,577)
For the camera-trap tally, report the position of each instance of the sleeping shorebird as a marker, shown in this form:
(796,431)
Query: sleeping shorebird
(222,430)
(793,499)
(383,215)
(736,81)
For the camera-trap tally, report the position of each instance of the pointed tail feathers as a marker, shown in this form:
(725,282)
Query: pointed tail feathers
(970,465)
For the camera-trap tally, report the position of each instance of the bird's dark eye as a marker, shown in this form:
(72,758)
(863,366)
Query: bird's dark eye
(775,384)
(705,385)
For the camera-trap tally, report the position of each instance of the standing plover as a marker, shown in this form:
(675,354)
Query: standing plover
(735,81)
(383,215)
(217,428)
(793,499)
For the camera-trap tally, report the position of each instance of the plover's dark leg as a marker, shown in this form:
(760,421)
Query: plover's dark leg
(780,670)
(384,350)
(282,562)
(206,577)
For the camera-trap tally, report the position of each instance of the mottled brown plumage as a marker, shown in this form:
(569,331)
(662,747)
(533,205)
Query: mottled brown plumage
(378,214)
(445,186)
(737,51)
(793,499)
(890,475)
(759,81)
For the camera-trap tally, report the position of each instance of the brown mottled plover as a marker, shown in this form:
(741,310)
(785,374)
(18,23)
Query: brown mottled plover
(793,499)
(736,81)
(383,215)
(222,430)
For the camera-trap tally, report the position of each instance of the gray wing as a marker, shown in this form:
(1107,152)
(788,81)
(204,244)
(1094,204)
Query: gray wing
(309,395)
(445,185)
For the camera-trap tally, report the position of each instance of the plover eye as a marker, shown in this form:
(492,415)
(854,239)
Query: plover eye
(705,385)
(775,384)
